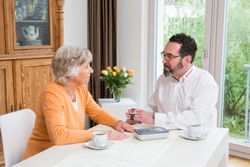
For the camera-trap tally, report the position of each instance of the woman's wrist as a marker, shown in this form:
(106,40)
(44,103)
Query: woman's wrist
(123,126)
(116,125)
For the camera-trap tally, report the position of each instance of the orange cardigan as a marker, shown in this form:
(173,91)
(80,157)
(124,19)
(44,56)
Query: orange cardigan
(57,122)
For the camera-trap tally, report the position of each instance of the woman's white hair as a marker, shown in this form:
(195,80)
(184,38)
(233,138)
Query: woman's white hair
(67,61)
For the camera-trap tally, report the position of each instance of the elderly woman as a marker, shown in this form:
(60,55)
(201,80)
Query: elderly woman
(65,102)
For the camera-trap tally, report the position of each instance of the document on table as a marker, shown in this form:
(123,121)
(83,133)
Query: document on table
(129,152)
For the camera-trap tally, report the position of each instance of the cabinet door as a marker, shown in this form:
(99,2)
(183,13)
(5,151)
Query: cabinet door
(32,25)
(31,77)
(6,87)
(2,37)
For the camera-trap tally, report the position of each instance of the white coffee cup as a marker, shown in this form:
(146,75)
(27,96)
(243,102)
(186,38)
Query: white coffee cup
(195,130)
(100,138)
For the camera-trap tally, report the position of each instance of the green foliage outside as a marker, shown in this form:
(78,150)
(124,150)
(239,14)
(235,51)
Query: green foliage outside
(237,54)
(193,26)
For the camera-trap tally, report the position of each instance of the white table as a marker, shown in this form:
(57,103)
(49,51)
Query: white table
(117,109)
(173,152)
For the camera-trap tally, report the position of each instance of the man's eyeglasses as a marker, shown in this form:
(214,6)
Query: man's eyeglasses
(168,56)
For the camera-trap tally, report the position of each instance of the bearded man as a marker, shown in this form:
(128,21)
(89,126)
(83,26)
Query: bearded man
(184,94)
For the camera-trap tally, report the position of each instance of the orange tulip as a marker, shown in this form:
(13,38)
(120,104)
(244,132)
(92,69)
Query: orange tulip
(108,68)
(123,69)
(131,73)
(116,69)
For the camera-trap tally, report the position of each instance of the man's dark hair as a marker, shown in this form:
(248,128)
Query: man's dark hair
(188,45)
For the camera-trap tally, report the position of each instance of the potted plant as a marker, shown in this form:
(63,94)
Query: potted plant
(116,79)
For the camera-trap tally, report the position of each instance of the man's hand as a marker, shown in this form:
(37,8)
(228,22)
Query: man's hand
(131,117)
(139,116)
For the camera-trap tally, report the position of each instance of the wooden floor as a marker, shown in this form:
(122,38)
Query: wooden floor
(238,162)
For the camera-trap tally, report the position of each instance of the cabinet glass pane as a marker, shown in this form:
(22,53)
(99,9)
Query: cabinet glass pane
(32,22)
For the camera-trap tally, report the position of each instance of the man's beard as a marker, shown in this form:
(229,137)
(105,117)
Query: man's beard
(167,71)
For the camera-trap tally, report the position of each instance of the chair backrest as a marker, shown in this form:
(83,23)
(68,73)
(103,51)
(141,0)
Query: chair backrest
(16,128)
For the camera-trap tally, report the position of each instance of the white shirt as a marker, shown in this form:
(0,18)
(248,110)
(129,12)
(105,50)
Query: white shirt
(190,100)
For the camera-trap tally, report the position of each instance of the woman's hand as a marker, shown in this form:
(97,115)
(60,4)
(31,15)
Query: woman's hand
(115,135)
(123,126)
(119,132)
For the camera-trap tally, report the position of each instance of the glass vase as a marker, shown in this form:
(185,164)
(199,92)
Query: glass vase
(117,94)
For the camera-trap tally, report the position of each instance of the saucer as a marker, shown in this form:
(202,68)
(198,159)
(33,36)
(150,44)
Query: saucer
(185,136)
(91,145)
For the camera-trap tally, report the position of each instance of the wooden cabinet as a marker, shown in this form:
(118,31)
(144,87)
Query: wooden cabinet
(30,33)
(31,78)
(2,35)
(6,87)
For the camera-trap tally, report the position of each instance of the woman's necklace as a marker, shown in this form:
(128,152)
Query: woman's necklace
(71,95)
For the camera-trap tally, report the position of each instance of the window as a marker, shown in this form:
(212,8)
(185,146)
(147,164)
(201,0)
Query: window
(222,35)
(177,16)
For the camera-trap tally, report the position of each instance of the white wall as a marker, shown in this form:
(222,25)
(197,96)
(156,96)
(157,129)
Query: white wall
(133,45)
(132,39)
(75,27)
(75,23)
